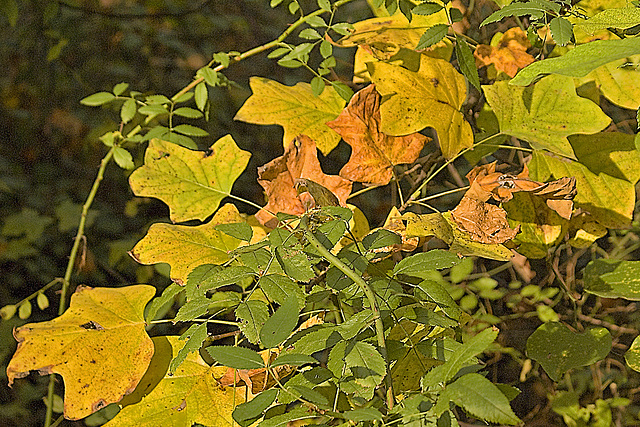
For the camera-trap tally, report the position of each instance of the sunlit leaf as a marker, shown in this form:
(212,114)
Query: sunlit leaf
(192,395)
(295,108)
(621,18)
(611,278)
(545,114)
(192,183)
(168,243)
(617,81)
(99,346)
(431,96)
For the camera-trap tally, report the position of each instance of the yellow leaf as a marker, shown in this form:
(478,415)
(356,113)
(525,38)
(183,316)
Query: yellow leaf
(202,244)
(99,347)
(618,81)
(191,395)
(584,231)
(192,183)
(296,109)
(431,96)
(545,114)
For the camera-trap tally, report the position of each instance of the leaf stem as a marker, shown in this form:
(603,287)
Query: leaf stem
(334,260)
(72,260)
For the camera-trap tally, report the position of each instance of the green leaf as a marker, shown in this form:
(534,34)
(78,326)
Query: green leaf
(431,96)
(192,183)
(190,130)
(309,395)
(427,8)
(432,36)
(123,158)
(247,412)
(208,277)
(128,110)
(24,310)
(293,359)
(278,288)
(158,303)
(343,91)
(195,336)
(120,88)
(97,99)
(187,112)
(581,60)
(535,8)
(480,398)
(290,256)
(467,62)
(169,243)
(545,114)
(252,315)
(440,296)
(236,357)
(153,110)
(209,75)
(363,414)
(296,109)
(558,349)
(10,9)
(380,238)
(476,345)
(42,301)
(201,96)
(359,365)
(419,264)
(561,30)
(239,230)
(622,18)
(291,415)
(195,307)
(611,278)
(317,85)
(279,326)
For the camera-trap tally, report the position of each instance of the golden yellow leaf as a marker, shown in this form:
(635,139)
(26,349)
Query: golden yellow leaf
(99,346)
(296,109)
(509,56)
(191,395)
(169,243)
(431,96)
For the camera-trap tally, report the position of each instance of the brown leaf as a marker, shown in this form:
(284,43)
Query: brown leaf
(300,160)
(509,56)
(485,222)
(373,154)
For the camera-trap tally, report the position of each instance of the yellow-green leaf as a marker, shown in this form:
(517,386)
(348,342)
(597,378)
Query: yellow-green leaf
(618,81)
(186,247)
(192,183)
(545,114)
(191,395)
(296,109)
(431,96)
(99,346)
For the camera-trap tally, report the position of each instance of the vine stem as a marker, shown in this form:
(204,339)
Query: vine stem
(72,260)
(259,49)
(334,260)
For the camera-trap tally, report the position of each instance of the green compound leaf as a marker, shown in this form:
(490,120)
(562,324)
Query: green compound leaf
(246,413)
(432,36)
(558,349)
(545,114)
(236,357)
(480,398)
(535,8)
(581,60)
(610,278)
(561,30)
(97,99)
(195,336)
(467,62)
(296,108)
(252,315)
(191,183)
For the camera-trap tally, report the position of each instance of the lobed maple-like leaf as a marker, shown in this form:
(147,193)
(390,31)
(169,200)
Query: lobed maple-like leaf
(99,346)
(203,243)
(373,153)
(509,56)
(618,81)
(295,108)
(431,96)
(191,395)
(191,183)
(300,160)
(545,114)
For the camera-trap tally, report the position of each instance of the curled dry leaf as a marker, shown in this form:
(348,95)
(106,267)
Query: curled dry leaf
(300,160)
(394,223)
(486,223)
(509,56)
(374,154)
